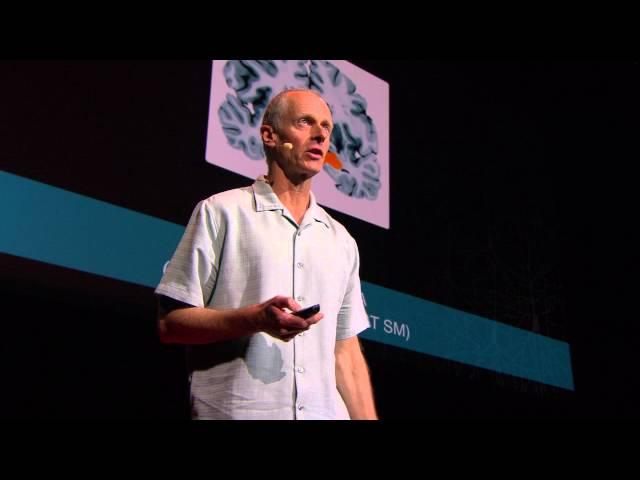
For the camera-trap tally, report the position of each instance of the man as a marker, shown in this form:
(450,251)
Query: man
(251,358)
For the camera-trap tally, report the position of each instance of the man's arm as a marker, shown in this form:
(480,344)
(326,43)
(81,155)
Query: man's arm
(352,379)
(183,323)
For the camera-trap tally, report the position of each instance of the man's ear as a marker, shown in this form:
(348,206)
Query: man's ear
(268,135)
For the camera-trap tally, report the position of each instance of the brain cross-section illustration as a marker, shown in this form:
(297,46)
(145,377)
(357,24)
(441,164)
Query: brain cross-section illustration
(352,161)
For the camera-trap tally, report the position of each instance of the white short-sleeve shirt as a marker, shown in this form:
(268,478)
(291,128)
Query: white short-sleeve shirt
(242,247)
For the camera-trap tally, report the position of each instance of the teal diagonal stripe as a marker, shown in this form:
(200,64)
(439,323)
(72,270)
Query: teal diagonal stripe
(427,327)
(56,226)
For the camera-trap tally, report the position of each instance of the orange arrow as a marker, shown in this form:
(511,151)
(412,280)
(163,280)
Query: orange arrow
(333,160)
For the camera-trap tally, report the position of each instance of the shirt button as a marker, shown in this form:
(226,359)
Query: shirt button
(300,298)
(300,407)
(300,265)
(302,334)
(300,370)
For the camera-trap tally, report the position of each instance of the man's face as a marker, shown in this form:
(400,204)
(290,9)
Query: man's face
(307,125)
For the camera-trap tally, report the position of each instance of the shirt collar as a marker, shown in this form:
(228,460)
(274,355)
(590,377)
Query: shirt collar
(267,200)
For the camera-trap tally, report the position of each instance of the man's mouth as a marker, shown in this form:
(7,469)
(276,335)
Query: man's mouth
(316,153)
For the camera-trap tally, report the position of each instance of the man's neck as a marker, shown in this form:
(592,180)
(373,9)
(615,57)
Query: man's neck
(295,197)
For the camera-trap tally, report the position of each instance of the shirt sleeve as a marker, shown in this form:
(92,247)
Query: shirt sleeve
(352,317)
(192,271)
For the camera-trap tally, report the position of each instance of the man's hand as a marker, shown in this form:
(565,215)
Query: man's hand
(270,317)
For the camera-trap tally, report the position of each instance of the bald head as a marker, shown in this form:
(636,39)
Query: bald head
(278,107)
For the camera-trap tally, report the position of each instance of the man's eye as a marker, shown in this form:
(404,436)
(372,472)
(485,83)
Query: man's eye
(303,121)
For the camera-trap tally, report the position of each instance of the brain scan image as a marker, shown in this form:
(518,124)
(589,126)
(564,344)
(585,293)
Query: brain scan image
(352,161)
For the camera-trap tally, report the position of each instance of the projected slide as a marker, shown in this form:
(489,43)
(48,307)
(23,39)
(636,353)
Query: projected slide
(355,179)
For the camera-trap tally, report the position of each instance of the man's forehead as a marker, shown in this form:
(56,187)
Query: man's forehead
(306,102)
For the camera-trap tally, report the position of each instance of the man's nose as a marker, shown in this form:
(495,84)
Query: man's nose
(319,135)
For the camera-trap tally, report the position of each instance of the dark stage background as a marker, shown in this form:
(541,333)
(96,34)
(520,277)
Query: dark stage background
(511,198)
